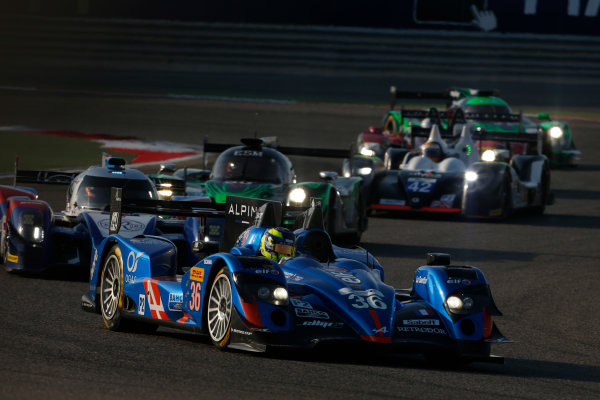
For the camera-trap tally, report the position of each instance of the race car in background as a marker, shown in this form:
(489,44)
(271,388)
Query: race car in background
(449,175)
(484,109)
(259,168)
(35,238)
(325,294)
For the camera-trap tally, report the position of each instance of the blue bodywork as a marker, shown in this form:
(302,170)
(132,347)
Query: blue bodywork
(334,294)
(34,238)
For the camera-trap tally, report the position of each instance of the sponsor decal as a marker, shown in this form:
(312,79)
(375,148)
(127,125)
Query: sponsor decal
(418,329)
(292,277)
(94,264)
(458,281)
(309,313)
(248,153)
(154,300)
(126,225)
(242,210)
(214,230)
(142,304)
(12,258)
(323,324)
(424,311)
(300,303)
(344,276)
(496,213)
(421,280)
(197,274)
(421,322)
(132,260)
(240,332)
(393,202)
(175,301)
(129,278)
(208,262)
(243,237)
(383,330)
(266,271)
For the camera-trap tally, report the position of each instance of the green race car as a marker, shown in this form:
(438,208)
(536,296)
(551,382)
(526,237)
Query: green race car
(486,111)
(262,171)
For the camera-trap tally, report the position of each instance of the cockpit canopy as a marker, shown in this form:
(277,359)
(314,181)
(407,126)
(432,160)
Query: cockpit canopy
(249,164)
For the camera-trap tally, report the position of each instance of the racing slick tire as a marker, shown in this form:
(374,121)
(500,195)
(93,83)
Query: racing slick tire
(111,296)
(220,310)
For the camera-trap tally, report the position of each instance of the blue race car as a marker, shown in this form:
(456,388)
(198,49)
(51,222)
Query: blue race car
(276,288)
(34,238)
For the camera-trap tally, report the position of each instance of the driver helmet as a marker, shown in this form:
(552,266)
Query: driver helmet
(277,243)
(432,150)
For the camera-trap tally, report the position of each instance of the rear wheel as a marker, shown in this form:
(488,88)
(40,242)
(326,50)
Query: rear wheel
(220,310)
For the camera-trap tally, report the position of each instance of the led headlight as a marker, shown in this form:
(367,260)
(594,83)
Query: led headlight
(471,176)
(369,149)
(30,226)
(365,170)
(165,193)
(297,195)
(280,294)
(556,132)
(457,305)
(488,156)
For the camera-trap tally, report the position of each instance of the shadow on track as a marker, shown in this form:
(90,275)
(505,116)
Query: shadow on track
(473,255)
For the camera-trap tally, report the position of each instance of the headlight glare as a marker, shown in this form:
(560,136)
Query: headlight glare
(471,176)
(488,156)
(297,195)
(280,294)
(365,170)
(556,132)
(455,304)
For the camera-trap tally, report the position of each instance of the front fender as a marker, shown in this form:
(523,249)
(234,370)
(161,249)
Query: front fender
(483,196)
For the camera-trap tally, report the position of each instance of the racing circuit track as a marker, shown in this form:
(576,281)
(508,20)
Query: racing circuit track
(543,270)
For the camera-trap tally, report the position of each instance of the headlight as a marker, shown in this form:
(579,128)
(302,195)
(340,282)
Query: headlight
(457,305)
(297,195)
(365,170)
(369,149)
(165,193)
(30,226)
(280,294)
(488,156)
(556,132)
(471,176)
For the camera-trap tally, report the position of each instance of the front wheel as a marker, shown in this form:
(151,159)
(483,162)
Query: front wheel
(111,296)
(111,289)
(220,310)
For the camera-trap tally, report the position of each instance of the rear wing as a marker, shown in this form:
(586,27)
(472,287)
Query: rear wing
(34,176)
(450,94)
(272,143)
(239,213)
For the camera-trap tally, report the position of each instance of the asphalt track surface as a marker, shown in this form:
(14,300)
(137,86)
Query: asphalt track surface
(544,272)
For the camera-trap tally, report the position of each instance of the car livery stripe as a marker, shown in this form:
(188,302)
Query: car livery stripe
(154,301)
(377,323)
(251,313)
(376,339)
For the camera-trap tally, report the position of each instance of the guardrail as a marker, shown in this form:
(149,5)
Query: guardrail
(363,50)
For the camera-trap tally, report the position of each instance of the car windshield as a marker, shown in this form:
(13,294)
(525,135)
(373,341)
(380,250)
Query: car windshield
(94,192)
(248,169)
(487,109)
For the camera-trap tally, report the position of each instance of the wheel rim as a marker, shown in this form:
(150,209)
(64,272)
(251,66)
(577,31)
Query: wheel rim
(111,286)
(219,308)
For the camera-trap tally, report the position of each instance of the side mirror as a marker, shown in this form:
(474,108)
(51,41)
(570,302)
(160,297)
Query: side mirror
(544,116)
(328,175)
